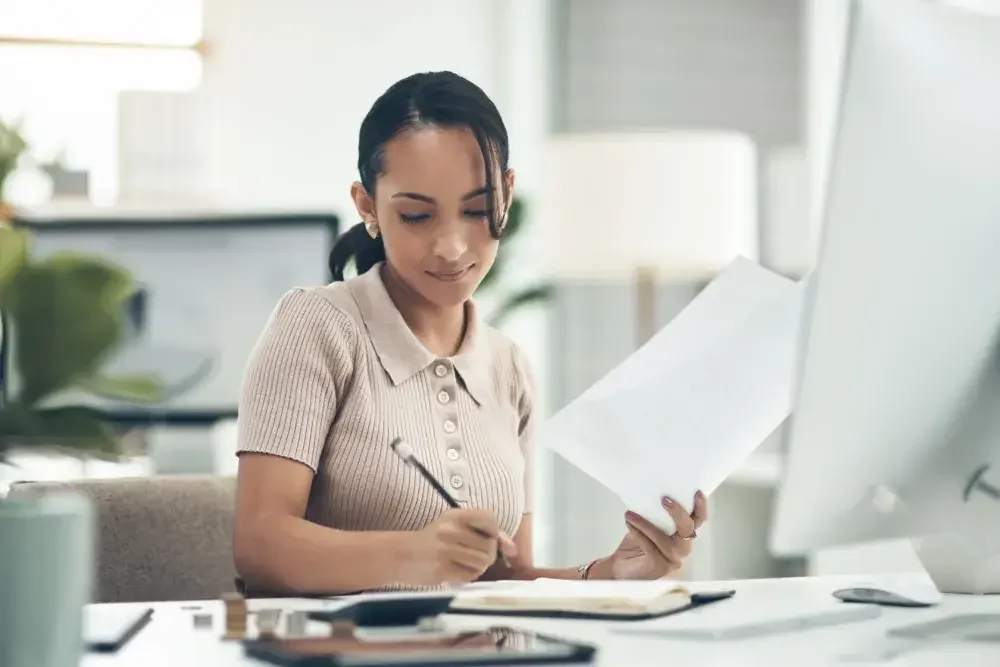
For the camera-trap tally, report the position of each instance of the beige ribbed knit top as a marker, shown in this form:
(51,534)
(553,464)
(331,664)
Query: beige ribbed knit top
(337,375)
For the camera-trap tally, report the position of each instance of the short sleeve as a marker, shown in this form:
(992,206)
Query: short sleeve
(527,407)
(290,386)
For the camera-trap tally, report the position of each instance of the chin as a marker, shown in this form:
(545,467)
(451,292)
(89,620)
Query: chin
(446,293)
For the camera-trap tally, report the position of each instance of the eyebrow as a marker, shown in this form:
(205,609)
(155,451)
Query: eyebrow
(430,200)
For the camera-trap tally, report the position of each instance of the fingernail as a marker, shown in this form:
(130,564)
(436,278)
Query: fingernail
(629,516)
(667,502)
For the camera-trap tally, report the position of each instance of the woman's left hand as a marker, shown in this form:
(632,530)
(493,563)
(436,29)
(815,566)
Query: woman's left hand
(649,553)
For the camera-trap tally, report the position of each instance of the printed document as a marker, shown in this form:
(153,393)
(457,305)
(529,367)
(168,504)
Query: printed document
(686,409)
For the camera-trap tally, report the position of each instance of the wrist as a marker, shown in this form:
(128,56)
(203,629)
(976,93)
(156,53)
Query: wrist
(401,550)
(600,569)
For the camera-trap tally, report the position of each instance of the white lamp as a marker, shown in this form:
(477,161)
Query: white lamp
(677,205)
(682,201)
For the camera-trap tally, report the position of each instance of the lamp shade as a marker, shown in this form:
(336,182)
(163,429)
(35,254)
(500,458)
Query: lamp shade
(682,203)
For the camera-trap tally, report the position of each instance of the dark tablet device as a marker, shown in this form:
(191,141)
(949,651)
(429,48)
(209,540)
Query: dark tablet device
(495,646)
(390,611)
(107,628)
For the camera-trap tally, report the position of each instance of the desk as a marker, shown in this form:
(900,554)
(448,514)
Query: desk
(171,638)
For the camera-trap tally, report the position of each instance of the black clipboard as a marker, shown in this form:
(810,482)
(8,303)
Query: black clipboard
(695,600)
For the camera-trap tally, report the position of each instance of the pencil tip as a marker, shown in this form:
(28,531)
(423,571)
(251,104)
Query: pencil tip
(402,449)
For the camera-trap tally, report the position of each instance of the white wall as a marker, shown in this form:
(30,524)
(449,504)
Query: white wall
(286,85)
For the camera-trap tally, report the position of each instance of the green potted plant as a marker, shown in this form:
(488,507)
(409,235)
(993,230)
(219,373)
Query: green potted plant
(62,317)
(514,300)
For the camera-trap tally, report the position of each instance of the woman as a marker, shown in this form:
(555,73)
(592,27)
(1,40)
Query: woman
(340,371)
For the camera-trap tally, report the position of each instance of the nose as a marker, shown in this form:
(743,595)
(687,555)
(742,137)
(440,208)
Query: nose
(451,245)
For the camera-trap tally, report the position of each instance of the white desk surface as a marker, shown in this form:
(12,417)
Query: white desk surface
(172,639)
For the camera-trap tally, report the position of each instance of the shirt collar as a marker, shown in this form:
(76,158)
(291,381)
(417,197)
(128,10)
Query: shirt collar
(399,351)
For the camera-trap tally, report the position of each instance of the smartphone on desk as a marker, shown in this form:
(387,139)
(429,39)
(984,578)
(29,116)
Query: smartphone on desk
(494,646)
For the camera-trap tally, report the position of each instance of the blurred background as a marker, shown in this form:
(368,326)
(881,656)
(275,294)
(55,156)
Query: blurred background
(209,146)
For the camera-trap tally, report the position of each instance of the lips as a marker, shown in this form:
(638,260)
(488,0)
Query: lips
(450,276)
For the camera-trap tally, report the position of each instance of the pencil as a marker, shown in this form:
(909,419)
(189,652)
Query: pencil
(405,451)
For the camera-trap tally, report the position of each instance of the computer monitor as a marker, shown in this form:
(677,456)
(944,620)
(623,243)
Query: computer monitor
(206,283)
(896,431)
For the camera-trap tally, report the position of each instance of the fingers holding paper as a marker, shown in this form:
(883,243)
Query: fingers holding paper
(647,552)
(700,513)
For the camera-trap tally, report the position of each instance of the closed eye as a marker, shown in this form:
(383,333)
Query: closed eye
(419,217)
(478,214)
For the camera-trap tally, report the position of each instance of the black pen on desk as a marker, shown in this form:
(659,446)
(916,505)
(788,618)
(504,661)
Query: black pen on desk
(405,451)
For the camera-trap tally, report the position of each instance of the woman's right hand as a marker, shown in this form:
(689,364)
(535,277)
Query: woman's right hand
(457,547)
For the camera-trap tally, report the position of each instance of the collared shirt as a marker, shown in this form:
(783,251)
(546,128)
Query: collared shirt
(337,375)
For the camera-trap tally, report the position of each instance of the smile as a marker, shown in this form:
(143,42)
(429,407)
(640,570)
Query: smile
(451,277)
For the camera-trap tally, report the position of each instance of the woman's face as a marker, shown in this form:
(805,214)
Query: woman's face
(431,208)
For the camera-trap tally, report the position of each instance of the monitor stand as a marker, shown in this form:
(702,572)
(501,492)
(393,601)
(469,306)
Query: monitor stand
(964,564)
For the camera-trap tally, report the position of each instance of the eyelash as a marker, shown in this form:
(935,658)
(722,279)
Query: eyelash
(414,219)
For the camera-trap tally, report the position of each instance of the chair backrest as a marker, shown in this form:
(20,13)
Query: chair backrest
(159,538)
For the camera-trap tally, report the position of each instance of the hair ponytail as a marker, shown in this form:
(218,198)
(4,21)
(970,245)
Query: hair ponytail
(355,244)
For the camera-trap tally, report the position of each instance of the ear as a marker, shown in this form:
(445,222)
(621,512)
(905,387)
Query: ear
(363,202)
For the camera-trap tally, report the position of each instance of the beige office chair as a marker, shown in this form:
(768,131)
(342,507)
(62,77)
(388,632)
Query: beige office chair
(159,538)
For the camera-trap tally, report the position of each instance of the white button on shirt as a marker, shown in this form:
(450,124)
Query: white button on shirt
(449,426)
(443,397)
(456,481)
(452,454)
(440,370)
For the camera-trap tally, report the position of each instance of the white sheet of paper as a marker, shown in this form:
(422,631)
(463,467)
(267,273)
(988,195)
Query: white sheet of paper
(724,304)
(687,409)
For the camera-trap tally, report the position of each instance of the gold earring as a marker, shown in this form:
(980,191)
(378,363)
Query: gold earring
(372,228)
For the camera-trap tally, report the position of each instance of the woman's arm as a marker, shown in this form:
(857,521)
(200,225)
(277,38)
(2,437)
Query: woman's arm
(277,550)
(291,390)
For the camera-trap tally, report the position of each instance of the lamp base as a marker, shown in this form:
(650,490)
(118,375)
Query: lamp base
(646,280)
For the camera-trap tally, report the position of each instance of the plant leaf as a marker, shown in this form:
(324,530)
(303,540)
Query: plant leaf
(113,281)
(67,316)
(70,429)
(13,253)
(133,388)
(518,300)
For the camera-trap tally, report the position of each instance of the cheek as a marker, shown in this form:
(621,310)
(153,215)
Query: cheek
(405,246)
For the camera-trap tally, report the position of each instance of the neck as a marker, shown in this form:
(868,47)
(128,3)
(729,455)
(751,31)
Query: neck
(440,330)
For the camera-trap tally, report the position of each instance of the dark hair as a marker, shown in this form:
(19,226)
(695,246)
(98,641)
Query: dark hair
(441,99)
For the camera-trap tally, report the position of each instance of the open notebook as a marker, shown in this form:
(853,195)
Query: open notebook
(574,599)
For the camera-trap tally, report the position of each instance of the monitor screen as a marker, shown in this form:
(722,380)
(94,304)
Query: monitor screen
(204,291)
